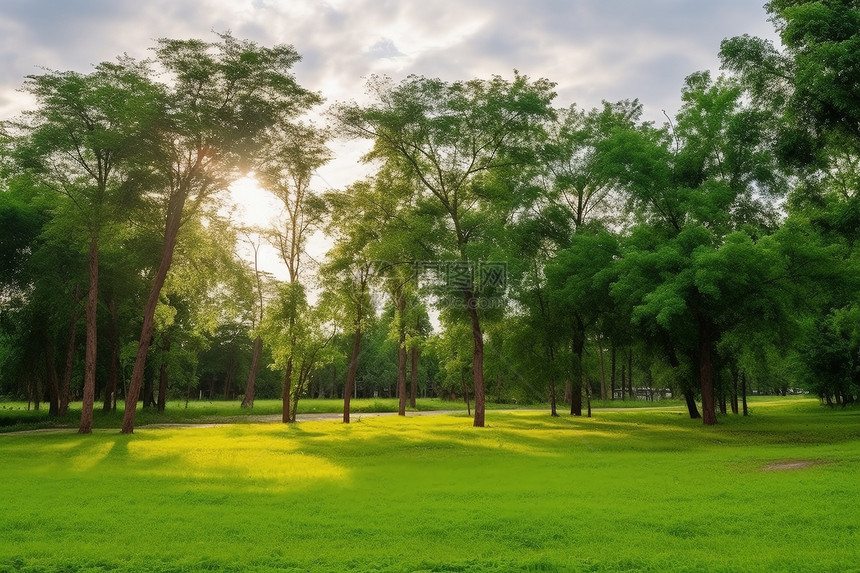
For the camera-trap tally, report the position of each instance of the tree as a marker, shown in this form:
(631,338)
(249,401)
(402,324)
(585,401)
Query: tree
(301,336)
(290,158)
(579,192)
(222,97)
(256,317)
(579,186)
(80,141)
(345,277)
(456,140)
(578,282)
(712,178)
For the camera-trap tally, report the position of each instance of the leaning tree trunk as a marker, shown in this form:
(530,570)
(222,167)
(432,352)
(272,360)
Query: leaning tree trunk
(709,415)
(248,400)
(171,231)
(477,358)
(690,398)
(86,426)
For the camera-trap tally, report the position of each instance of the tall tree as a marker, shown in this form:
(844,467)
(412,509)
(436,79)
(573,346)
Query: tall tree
(222,98)
(80,141)
(256,316)
(580,191)
(694,184)
(456,139)
(290,159)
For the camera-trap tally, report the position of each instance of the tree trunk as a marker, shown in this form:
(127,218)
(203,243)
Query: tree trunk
(477,358)
(623,380)
(33,390)
(88,401)
(401,380)
(734,391)
(721,394)
(171,231)
(401,353)
(612,369)
(248,400)
(690,398)
(53,379)
(466,394)
(148,392)
(113,368)
(350,375)
(162,379)
(602,372)
(552,392)
(588,397)
(630,374)
(286,393)
(230,374)
(66,382)
(709,415)
(413,372)
(577,372)
(744,391)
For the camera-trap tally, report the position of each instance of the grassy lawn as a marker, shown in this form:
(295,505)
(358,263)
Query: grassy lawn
(14,416)
(627,490)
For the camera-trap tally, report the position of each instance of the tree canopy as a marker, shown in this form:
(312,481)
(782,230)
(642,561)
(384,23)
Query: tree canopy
(499,247)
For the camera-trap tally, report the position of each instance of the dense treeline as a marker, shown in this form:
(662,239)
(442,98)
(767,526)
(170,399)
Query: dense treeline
(561,254)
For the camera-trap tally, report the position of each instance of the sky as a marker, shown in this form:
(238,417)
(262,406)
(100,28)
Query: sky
(593,49)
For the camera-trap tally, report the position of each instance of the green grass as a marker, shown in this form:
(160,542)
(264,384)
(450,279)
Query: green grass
(631,490)
(14,416)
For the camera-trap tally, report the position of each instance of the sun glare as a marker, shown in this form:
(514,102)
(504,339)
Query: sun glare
(255,207)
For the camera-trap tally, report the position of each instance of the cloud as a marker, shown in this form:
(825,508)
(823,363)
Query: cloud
(593,49)
(384,48)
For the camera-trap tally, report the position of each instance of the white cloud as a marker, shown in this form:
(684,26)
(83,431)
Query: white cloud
(593,49)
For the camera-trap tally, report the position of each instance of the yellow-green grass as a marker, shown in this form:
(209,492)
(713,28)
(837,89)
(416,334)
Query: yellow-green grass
(15,416)
(633,490)
(18,416)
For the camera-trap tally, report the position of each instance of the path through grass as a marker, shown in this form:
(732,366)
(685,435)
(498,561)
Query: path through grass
(646,490)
